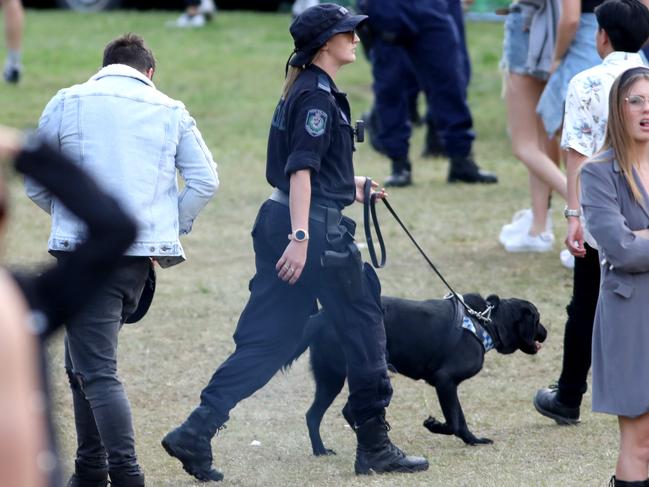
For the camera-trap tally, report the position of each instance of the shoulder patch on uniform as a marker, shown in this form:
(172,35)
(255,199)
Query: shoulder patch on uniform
(323,83)
(316,122)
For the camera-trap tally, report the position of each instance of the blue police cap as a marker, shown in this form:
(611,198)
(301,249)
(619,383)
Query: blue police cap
(315,26)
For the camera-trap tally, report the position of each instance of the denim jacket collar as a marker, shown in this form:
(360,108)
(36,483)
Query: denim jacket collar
(121,70)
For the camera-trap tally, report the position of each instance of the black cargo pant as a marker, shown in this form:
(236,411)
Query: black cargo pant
(272,323)
(578,335)
(102,413)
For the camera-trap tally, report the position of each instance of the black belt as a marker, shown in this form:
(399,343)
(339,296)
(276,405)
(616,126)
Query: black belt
(316,212)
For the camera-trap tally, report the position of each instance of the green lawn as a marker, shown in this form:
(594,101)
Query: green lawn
(229,75)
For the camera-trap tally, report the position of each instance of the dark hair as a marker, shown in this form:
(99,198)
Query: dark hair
(129,49)
(626,22)
(3,201)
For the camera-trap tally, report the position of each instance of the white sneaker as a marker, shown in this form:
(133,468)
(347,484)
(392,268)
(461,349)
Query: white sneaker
(567,259)
(207,8)
(521,223)
(186,21)
(524,242)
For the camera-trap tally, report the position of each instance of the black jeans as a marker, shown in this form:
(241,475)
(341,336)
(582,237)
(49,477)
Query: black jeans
(102,413)
(272,323)
(577,341)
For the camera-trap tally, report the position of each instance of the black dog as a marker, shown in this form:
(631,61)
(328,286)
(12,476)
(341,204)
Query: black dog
(425,340)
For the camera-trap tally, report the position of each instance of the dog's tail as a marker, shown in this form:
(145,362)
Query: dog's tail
(315,323)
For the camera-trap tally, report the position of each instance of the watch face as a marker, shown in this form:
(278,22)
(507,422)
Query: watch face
(300,235)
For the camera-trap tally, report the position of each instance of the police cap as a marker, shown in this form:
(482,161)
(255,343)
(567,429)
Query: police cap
(315,26)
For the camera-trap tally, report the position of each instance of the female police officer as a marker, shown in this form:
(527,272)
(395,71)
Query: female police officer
(304,252)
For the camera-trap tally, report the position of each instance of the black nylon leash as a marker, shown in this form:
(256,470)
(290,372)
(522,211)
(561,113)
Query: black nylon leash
(369,207)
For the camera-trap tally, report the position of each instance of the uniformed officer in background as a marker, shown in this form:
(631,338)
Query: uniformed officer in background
(305,252)
(425,33)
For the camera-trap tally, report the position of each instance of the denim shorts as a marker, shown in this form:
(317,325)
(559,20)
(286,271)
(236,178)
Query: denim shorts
(516,42)
(581,55)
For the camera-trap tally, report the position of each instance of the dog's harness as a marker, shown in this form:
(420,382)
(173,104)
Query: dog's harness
(369,202)
(478,331)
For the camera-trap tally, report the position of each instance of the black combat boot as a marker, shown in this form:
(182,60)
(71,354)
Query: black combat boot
(632,483)
(433,145)
(127,479)
(375,453)
(88,477)
(464,169)
(190,443)
(401,173)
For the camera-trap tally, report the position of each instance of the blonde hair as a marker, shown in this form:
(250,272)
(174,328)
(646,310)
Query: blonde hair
(617,135)
(291,75)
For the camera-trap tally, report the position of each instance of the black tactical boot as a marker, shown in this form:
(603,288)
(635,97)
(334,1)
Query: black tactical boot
(401,173)
(88,477)
(375,453)
(624,483)
(127,479)
(190,443)
(465,170)
(433,146)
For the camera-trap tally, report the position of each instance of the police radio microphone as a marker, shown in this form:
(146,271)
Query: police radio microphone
(359,131)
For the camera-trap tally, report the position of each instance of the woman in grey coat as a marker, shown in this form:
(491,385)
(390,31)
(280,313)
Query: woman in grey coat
(614,195)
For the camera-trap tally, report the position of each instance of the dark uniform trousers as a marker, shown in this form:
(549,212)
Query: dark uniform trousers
(102,412)
(274,318)
(424,32)
(410,80)
(578,335)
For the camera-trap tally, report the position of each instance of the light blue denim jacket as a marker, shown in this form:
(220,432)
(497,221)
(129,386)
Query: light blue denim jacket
(132,138)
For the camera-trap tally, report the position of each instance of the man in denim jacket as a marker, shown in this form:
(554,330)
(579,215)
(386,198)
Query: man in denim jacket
(132,139)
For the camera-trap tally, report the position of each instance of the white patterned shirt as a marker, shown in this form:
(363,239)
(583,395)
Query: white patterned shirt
(586,113)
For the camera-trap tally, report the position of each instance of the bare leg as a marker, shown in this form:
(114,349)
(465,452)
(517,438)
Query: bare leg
(14,20)
(522,94)
(633,457)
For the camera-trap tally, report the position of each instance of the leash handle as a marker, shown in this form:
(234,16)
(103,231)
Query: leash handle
(369,208)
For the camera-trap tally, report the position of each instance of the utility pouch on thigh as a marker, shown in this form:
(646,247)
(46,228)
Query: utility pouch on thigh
(347,267)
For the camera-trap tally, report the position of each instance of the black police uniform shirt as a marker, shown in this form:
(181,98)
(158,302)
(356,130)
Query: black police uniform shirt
(311,130)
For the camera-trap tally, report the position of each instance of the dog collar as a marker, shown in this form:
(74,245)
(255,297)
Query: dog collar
(481,334)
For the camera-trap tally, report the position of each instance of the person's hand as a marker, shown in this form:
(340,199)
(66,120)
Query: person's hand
(644,233)
(575,238)
(11,141)
(360,189)
(290,265)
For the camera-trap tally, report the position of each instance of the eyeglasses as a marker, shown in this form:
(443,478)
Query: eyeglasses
(636,102)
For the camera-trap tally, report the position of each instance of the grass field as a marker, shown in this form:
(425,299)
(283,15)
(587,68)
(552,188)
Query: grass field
(229,75)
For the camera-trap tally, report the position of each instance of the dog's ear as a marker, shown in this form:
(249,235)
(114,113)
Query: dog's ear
(527,329)
(493,300)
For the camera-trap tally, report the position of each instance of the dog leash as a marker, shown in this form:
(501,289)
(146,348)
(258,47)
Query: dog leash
(369,208)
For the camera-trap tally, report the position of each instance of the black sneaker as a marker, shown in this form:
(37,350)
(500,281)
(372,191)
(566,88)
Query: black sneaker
(546,403)
(398,179)
(465,170)
(12,74)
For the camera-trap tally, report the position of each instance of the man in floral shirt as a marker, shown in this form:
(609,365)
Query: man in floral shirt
(623,29)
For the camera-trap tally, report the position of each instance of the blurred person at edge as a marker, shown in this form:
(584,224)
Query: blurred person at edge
(623,27)
(305,253)
(35,305)
(133,139)
(614,188)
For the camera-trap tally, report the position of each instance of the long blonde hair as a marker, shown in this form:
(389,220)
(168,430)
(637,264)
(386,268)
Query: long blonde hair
(291,75)
(617,135)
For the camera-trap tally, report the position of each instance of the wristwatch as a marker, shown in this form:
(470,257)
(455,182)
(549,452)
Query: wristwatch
(299,235)
(568,212)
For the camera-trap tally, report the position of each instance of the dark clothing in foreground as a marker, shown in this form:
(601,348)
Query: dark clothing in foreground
(61,291)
